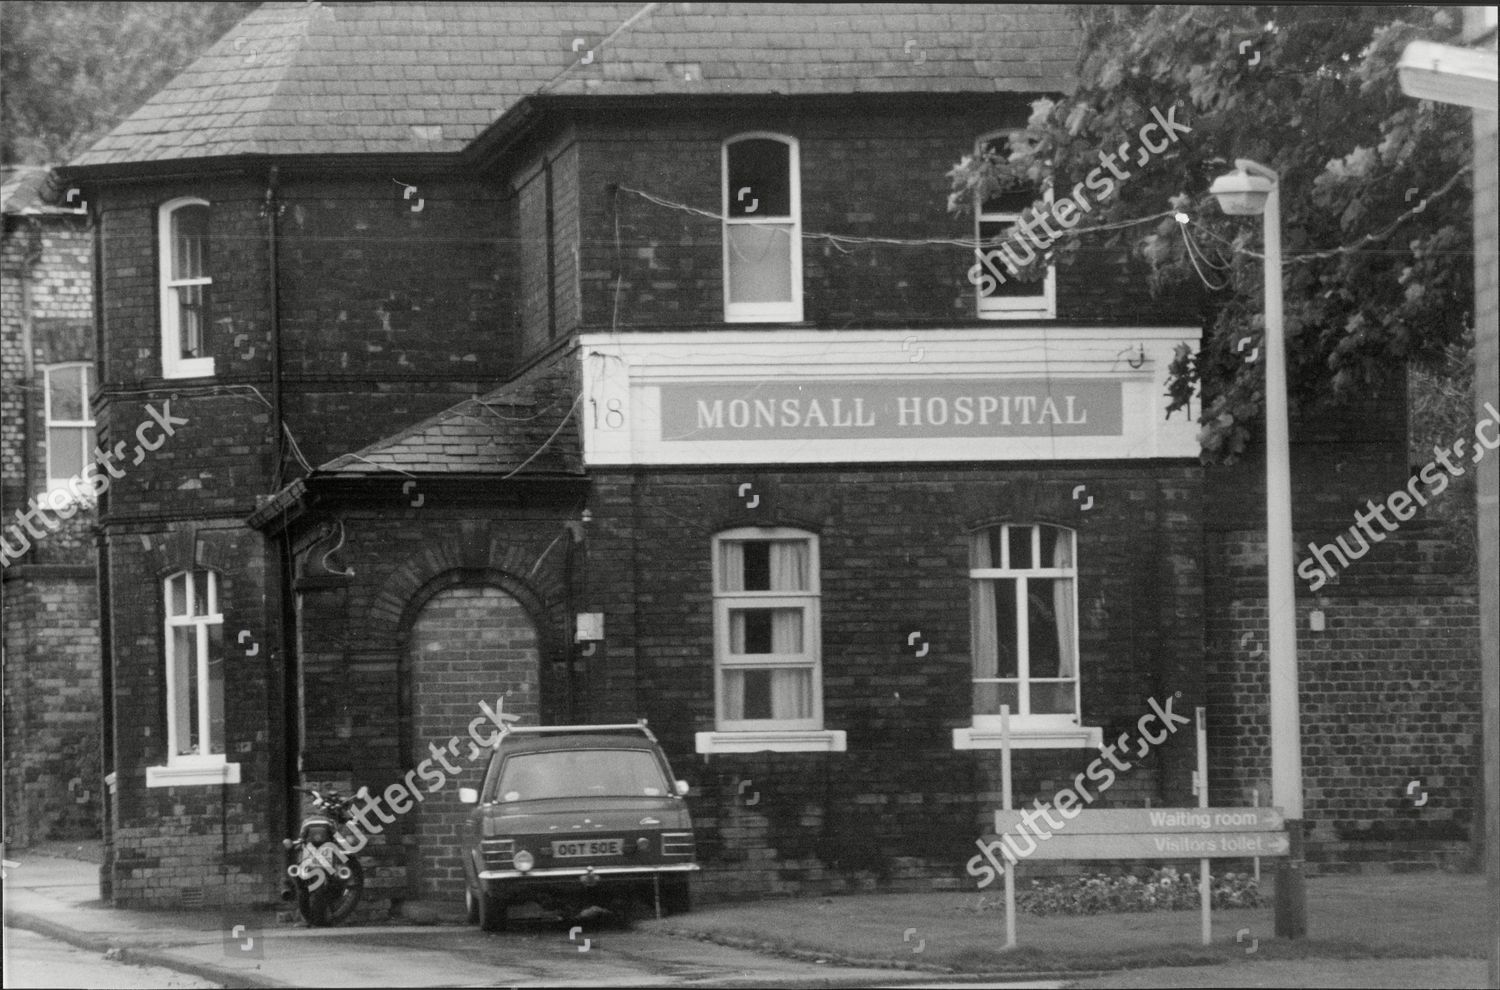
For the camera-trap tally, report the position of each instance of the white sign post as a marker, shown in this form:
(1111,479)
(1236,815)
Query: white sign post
(1200,783)
(1141,833)
(1010,878)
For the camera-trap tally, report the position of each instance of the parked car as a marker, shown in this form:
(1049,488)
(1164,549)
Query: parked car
(578,816)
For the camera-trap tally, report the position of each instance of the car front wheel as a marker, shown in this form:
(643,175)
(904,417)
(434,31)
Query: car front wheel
(490,911)
(676,896)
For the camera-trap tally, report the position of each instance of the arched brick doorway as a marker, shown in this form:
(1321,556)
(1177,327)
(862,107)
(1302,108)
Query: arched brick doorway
(468,644)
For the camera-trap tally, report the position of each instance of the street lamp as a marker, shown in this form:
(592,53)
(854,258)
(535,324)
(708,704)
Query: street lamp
(1253,189)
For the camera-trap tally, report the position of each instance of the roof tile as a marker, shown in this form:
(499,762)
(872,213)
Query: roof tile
(299,66)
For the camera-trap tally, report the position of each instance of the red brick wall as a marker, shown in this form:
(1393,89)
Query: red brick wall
(53,782)
(1388,695)
(45,288)
(369,289)
(901,807)
(229,827)
(868,169)
(373,693)
(48,599)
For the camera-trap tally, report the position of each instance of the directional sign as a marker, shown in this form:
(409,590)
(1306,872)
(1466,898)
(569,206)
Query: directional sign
(1065,844)
(1117,821)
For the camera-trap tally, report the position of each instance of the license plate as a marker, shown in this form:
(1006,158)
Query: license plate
(586,847)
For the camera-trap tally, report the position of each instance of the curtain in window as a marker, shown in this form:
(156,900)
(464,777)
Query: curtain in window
(1067,647)
(731,566)
(768,567)
(791,693)
(985,628)
(765,630)
(760,262)
(983,631)
(789,565)
(790,562)
(190,306)
(189,264)
(734,694)
(984,549)
(185,688)
(216,709)
(190,242)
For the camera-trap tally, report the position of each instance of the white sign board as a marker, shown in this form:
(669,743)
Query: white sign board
(841,396)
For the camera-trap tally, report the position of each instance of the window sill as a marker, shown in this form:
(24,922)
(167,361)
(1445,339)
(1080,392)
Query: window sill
(775,741)
(1022,737)
(1017,314)
(193,774)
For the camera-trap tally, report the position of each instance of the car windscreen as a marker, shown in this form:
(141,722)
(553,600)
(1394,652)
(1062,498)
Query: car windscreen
(567,773)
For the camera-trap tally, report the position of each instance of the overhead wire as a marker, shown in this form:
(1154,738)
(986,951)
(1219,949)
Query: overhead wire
(1356,247)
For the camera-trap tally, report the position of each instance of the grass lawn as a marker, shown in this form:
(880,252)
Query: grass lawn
(1413,915)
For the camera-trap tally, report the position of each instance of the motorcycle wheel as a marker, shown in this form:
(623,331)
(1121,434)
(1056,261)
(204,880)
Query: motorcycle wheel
(347,899)
(471,906)
(313,905)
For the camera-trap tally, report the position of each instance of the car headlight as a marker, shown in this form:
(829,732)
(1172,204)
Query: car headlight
(643,844)
(524,860)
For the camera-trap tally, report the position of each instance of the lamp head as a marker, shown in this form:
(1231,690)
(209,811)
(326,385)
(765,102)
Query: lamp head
(1241,194)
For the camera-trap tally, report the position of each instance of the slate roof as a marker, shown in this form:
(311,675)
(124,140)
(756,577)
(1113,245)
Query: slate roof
(528,427)
(360,78)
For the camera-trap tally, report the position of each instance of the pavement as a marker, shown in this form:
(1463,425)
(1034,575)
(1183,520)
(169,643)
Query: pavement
(59,898)
(796,942)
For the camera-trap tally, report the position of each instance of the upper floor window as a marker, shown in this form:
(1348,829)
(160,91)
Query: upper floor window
(186,287)
(70,425)
(194,650)
(762,229)
(1002,295)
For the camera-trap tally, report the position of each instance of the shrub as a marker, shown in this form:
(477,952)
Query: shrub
(1161,890)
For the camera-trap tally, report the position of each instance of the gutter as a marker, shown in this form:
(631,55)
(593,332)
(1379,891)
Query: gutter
(275,512)
(273,210)
(255,165)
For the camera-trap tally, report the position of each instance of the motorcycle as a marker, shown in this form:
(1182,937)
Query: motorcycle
(325,877)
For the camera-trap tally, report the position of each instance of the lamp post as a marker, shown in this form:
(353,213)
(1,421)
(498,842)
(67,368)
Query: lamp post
(1254,189)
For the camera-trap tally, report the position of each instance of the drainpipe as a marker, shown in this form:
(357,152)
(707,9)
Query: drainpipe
(273,208)
(282,706)
(107,768)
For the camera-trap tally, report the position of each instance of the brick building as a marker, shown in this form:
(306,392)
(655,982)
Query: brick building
(505,355)
(50,621)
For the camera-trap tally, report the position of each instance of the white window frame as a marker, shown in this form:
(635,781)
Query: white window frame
(173,365)
(1029,731)
(765,312)
(191,768)
(57,482)
(1043,306)
(780,735)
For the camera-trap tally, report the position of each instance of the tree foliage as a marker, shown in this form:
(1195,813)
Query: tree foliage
(1311,92)
(70,71)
